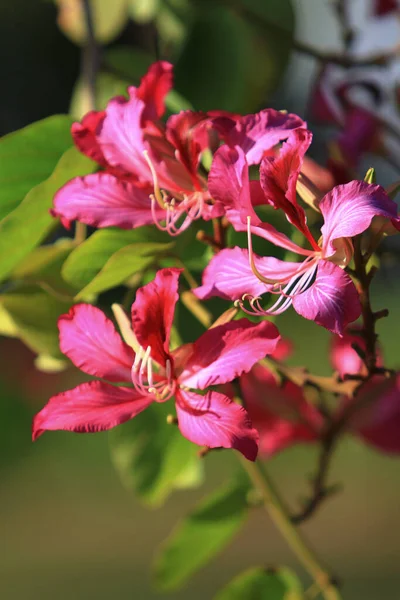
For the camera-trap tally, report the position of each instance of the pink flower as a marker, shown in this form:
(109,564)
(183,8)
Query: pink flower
(343,356)
(377,422)
(318,288)
(152,172)
(220,355)
(280,413)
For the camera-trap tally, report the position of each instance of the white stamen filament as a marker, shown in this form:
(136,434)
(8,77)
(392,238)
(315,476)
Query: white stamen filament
(143,377)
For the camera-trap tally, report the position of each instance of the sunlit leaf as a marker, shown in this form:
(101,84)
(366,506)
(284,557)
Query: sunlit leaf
(43,266)
(143,11)
(201,535)
(28,225)
(87,260)
(152,457)
(126,262)
(263,584)
(109,18)
(28,156)
(34,314)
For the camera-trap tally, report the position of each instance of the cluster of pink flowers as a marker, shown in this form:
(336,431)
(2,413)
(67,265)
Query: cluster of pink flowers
(152,173)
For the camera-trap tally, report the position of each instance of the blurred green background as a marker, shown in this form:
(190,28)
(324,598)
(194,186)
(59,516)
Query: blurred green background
(69,528)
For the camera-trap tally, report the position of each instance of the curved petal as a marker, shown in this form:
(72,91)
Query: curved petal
(349,209)
(91,342)
(332,301)
(101,200)
(214,420)
(278,178)
(228,183)
(88,408)
(153,313)
(228,275)
(344,359)
(84,135)
(378,422)
(121,137)
(257,133)
(187,132)
(280,413)
(153,88)
(225,352)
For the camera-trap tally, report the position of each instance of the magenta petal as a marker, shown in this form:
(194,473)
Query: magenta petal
(257,133)
(91,342)
(101,200)
(223,353)
(349,209)
(214,420)
(278,177)
(153,88)
(332,301)
(280,413)
(88,408)
(153,313)
(229,275)
(121,137)
(84,135)
(378,421)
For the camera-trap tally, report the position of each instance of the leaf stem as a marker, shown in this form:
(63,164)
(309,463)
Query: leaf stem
(280,515)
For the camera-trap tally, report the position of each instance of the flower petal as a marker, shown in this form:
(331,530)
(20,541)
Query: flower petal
(278,178)
(228,183)
(121,137)
(84,135)
(228,275)
(153,88)
(280,413)
(214,420)
(332,301)
(153,313)
(187,132)
(88,408)
(257,133)
(349,209)
(101,200)
(378,421)
(91,342)
(224,352)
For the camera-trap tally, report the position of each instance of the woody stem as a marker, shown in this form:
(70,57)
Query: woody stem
(279,513)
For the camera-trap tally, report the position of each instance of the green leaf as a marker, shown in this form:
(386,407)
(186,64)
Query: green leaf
(109,18)
(34,315)
(263,584)
(126,262)
(88,259)
(43,266)
(201,535)
(26,226)
(143,11)
(152,457)
(278,14)
(28,156)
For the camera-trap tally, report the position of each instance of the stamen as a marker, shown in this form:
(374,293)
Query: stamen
(251,256)
(157,192)
(125,327)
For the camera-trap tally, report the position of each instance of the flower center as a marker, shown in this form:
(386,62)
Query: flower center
(160,384)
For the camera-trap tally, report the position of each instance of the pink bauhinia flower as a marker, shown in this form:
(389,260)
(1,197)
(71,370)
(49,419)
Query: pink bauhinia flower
(157,374)
(318,288)
(152,171)
(345,359)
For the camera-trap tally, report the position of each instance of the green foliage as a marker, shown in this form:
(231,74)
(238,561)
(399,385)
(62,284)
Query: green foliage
(28,156)
(93,261)
(263,584)
(143,11)
(33,314)
(126,262)
(29,224)
(201,535)
(152,457)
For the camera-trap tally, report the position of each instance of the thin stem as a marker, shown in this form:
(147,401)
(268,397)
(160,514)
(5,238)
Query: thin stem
(89,56)
(280,515)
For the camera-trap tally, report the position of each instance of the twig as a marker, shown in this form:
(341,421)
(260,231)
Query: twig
(89,56)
